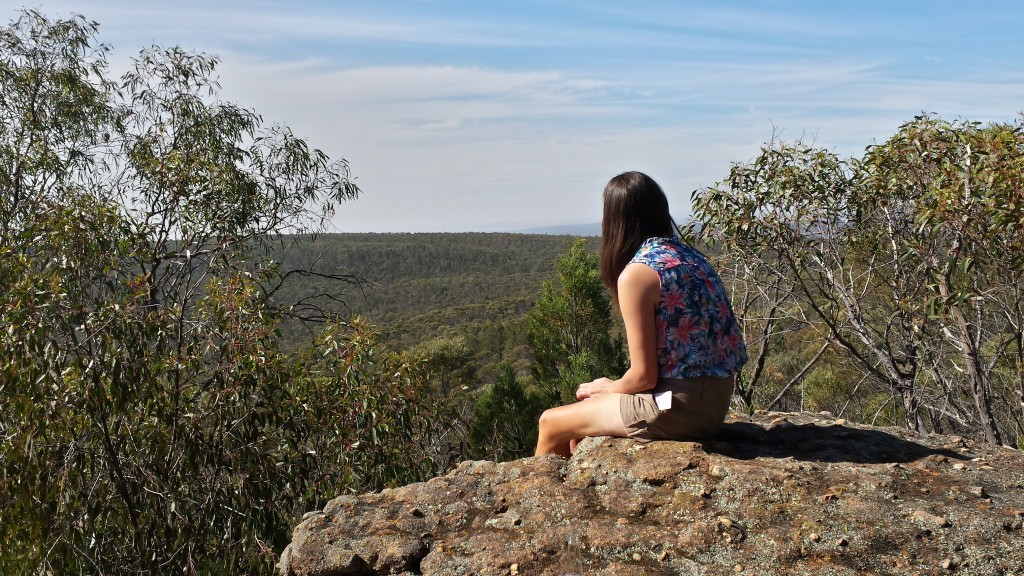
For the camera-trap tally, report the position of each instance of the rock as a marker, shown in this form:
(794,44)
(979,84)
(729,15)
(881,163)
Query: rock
(749,501)
(940,521)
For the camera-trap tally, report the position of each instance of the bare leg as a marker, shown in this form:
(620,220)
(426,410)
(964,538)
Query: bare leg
(596,416)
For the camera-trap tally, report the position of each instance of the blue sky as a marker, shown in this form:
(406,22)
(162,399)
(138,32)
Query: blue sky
(487,115)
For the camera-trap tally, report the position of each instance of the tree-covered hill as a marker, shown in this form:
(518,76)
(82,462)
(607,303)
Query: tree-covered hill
(418,286)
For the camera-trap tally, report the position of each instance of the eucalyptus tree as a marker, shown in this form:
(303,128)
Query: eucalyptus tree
(148,421)
(955,190)
(56,113)
(909,258)
(800,209)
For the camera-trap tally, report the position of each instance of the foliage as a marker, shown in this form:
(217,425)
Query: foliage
(445,368)
(955,192)
(56,108)
(774,324)
(504,425)
(570,329)
(368,409)
(148,421)
(907,260)
(802,203)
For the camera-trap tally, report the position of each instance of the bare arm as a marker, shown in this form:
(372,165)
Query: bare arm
(639,290)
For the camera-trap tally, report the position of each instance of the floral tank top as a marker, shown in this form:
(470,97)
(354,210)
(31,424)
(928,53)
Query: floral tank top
(697,332)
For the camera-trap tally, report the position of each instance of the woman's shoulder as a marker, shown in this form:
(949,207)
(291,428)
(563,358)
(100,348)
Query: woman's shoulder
(639,281)
(662,252)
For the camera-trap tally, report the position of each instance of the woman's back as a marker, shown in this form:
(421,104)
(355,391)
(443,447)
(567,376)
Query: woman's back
(697,332)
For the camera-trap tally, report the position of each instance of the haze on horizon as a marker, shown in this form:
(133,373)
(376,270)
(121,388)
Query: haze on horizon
(497,116)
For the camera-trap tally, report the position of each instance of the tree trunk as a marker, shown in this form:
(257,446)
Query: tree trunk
(979,390)
(911,405)
(976,374)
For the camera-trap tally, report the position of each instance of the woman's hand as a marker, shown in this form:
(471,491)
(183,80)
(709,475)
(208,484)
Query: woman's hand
(588,389)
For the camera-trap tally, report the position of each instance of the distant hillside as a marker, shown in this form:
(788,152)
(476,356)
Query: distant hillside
(580,230)
(590,228)
(418,286)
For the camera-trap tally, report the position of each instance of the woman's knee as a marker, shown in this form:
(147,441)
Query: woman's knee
(548,420)
(560,423)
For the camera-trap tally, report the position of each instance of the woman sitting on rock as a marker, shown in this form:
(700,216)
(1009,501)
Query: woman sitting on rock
(685,346)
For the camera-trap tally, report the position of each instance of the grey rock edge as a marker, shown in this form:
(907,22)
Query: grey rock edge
(774,494)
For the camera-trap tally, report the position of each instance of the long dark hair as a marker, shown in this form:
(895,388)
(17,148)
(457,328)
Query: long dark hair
(635,209)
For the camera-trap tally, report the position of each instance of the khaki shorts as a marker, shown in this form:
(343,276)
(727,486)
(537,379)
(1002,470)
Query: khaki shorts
(698,408)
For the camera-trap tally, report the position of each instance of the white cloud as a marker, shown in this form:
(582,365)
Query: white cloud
(455,148)
(487,138)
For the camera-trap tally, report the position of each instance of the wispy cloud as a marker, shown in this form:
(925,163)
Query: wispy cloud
(460,116)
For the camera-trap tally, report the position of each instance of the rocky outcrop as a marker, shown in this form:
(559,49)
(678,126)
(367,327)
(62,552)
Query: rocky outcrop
(777,494)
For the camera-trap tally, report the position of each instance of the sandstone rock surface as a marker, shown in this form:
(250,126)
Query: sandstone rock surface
(776,494)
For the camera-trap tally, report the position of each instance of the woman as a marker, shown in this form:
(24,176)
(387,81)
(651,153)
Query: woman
(685,346)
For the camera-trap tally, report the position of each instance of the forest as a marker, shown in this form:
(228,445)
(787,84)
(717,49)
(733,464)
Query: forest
(188,363)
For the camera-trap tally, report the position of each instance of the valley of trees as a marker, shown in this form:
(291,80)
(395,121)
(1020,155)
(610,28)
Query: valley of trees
(187,364)
(419,286)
